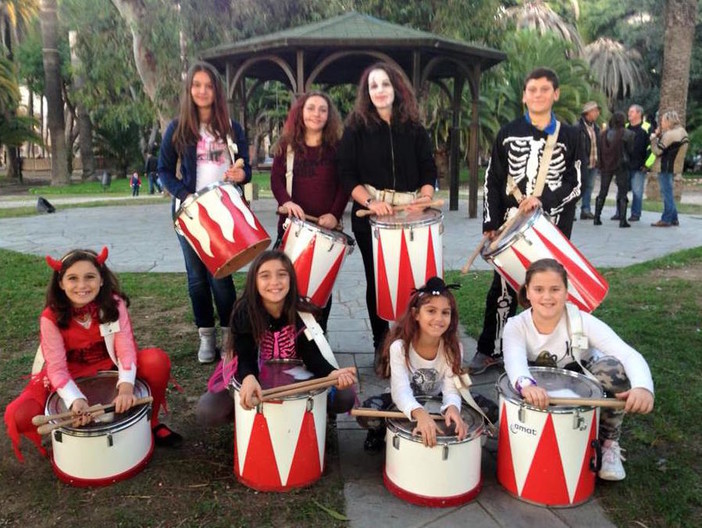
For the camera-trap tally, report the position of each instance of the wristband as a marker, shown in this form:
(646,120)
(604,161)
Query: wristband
(523,382)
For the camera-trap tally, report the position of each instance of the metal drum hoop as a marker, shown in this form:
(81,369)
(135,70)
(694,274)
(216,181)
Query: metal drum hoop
(381,222)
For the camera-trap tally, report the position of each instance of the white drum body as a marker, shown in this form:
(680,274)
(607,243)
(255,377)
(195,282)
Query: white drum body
(527,238)
(317,255)
(447,474)
(102,453)
(549,457)
(407,250)
(280,445)
(221,229)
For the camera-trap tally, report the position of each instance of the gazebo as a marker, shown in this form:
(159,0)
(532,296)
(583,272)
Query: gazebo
(335,51)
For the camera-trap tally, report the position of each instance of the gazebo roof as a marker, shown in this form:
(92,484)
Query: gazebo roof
(350,32)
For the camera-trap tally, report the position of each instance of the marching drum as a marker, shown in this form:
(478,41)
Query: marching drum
(447,474)
(221,228)
(406,252)
(317,255)
(529,237)
(549,457)
(111,449)
(280,445)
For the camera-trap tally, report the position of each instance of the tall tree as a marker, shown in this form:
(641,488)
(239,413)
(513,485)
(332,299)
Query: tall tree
(85,125)
(52,80)
(680,18)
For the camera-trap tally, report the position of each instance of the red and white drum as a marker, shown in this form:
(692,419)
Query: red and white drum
(529,237)
(447,474)
(317,255)
(112,449)
(549,457)
(406,252)
(221,229)
(280,445)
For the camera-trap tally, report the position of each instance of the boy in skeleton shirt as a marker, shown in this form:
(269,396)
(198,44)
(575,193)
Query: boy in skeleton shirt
(511,183)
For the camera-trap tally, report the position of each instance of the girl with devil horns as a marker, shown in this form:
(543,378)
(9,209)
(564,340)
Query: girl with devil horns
(83,302)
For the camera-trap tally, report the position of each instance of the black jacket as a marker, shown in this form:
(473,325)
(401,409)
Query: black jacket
(585,143)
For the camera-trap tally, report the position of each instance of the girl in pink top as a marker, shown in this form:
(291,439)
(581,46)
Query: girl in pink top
(83,302)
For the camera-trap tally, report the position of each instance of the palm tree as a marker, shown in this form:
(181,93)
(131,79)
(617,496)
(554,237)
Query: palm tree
(616,69)
(538,16)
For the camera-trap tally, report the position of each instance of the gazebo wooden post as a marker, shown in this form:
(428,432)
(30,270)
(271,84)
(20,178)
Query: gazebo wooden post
(455,146)
(474,84)
(300,88)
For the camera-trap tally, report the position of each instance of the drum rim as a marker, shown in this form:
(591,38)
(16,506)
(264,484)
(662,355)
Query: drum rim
(194,197)
(332,234)
(513,397)
(396,429)
(375,221)
(107,427)
(235,386)
(506,244)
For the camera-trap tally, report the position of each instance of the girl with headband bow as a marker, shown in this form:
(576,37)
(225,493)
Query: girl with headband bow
(421,354)
(84,302)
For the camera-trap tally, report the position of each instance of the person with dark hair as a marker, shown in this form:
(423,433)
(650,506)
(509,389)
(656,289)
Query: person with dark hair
(541,336)
(637,162)
(511,183)
(266,321)
(385,158)
(84,302)
(590,149)
(617,149)
(303,176)
(198,140)
(151,170)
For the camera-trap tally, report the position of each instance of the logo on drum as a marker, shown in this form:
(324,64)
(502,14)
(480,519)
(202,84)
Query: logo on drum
(515,428)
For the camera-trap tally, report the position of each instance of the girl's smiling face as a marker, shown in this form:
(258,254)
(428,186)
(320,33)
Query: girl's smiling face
(434,316)
(81,283)
(272,282)
(380,90)
(547,294)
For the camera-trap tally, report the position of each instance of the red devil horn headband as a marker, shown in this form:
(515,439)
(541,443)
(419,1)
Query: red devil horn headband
(56,265)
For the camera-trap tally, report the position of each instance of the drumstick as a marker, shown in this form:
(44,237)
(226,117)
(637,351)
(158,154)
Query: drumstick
(41,419)
(319,384)
(47,428)
(283,211)
(474,255)
(299,384)
(374,413)
(239,163)
(397,208)
(592,402)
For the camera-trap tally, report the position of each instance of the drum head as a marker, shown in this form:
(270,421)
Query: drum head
(101,389)
(279,372)
(558,383)
(405,218)
(446,434)
(508,231)
(333,234)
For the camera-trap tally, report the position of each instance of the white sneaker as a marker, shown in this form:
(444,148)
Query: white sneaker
(612,468)
(208,345)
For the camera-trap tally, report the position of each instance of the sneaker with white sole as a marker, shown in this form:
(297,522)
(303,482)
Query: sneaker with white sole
(612,468)
(208,345)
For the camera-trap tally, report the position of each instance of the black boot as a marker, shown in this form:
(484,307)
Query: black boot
(599,204)
(621,212)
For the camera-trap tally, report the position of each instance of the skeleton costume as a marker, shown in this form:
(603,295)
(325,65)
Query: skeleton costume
(517,152)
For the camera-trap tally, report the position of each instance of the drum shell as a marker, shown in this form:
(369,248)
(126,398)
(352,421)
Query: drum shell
(317,255)
(447,474)
(221,228)
(280,445)
(407,251)
(548,456)
(531,237)
(104,453)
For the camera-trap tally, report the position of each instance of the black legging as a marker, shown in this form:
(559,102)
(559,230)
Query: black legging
(622,180)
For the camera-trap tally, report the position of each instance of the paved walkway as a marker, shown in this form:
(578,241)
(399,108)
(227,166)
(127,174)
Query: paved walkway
(140,238)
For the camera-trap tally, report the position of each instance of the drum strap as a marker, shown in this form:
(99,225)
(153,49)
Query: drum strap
(578,340)
(543,168)
(289,161)
(463,382)
(314,332)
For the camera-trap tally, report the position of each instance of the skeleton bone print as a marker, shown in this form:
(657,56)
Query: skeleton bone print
(524,155)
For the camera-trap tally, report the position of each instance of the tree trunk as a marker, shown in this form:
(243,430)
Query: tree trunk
(52,80)
(135,13)
(680,17)
(85,126)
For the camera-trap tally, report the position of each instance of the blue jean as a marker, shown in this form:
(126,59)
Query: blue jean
(588,184)
(670,212)
(202,286)
(637,179)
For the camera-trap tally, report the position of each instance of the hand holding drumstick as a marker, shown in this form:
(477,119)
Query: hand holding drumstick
(383,208)
(235,173)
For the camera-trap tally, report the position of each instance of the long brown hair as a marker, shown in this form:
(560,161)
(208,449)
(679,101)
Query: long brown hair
(294,128)
(539,266)
(254,303)
(57,300)
(407,329)
(404,107)
(187,131)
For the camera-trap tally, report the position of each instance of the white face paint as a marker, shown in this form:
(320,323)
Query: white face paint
(381,91)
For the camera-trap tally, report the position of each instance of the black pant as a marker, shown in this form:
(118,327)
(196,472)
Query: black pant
(622,180)
(364,242)
(501,299)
